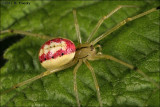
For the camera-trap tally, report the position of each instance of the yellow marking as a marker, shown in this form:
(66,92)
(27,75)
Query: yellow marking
(40,52)
(57,46)
(53,47)
(57,62)
(45,49)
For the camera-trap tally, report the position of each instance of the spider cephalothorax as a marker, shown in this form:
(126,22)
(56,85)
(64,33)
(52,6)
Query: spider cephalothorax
(85,51)
(59,53)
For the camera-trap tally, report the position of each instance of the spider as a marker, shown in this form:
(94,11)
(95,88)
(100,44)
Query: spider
(83,53)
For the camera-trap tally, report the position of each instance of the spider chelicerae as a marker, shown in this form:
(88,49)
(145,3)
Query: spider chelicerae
(84,52)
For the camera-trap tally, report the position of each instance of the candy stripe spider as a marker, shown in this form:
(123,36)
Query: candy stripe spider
(87,51)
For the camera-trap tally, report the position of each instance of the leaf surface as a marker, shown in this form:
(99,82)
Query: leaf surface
(136,43)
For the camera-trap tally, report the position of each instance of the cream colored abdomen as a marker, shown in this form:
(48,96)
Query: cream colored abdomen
(59,61)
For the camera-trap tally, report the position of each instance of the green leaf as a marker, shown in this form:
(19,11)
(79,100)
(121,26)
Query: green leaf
(136,43)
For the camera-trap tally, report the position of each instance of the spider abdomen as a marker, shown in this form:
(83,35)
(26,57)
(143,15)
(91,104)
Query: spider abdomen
(56,52)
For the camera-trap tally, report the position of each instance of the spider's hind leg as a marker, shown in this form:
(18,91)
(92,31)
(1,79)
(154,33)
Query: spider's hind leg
(39,76)
(24,33)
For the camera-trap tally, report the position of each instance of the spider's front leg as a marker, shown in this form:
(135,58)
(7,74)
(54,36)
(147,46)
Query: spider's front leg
(122,23)
(104,18)
(102,56)
(24,33)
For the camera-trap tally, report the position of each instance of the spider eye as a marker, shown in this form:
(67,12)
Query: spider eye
(61,52)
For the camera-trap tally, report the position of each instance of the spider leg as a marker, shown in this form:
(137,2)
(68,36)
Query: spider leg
(40,76)
(95,81)
(75,82)
(77,26)
(24,33)
(100,49)
(104,18)
(127,65)
(122,23)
